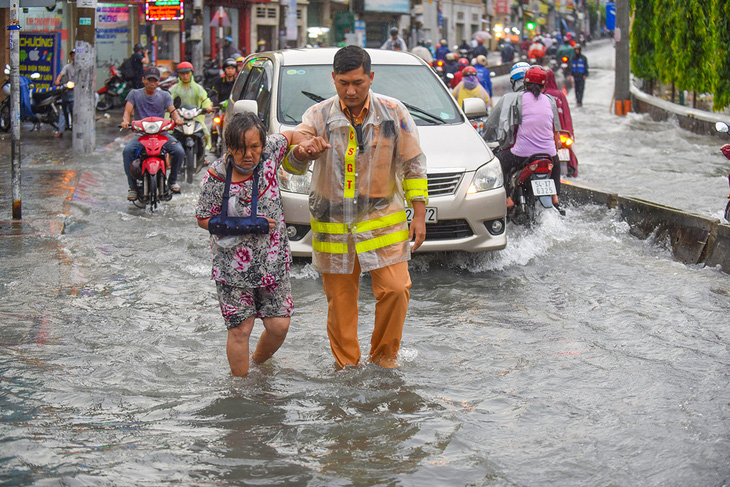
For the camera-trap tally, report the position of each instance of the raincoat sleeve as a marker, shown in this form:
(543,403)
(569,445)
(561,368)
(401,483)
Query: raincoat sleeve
(556,116)
(308,127)
(415,180)
(491,125)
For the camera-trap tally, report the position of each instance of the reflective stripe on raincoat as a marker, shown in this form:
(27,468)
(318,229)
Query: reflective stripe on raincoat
(361,185)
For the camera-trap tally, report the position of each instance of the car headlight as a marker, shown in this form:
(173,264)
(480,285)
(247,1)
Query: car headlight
(489,176)
(294,183)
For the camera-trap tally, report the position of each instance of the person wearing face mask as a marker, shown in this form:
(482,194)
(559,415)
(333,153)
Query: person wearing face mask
(470,87)
(251,271)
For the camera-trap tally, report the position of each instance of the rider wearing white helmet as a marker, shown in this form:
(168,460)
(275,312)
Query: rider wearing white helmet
(517,75)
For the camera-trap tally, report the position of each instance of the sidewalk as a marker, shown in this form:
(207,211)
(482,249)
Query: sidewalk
(49,175)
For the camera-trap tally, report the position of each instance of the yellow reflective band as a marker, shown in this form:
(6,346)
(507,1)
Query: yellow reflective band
(329,247)
(350,165)
(325,227)
(381,222)
(413,193)
(409,184)
(379,242)
(288,166)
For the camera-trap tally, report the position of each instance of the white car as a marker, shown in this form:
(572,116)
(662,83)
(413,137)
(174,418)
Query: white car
(466,209)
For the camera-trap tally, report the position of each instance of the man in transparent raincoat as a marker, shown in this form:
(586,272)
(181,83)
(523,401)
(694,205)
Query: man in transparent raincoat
(357,204)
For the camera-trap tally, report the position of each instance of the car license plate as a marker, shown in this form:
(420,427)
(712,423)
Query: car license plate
(432,214)
(564,154)
(543,187)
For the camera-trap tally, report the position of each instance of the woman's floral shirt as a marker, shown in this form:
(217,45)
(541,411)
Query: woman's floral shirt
(255,260)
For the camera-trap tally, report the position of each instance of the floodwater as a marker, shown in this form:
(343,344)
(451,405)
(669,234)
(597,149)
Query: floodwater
(579,355)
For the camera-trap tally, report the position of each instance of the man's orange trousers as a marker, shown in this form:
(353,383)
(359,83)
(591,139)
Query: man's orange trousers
(391,286)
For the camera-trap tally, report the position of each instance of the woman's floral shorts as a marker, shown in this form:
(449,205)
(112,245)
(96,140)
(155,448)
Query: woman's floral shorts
(240,303)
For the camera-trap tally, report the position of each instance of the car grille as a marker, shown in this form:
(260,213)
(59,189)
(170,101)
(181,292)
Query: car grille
(448,230)
(443,184)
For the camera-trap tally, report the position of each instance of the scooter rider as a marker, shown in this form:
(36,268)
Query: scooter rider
(222,87)
(191,93)
(536,116)
(151,102)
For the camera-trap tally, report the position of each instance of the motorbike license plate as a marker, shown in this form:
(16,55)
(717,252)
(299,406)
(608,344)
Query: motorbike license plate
(564,154)
(543,187)
(432,214)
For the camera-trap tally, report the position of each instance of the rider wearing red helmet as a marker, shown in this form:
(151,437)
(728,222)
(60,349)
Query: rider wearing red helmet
(191,93)
(527,124)
(470,87)
(462,63)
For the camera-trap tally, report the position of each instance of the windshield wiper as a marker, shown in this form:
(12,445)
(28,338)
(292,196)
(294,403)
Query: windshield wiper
(424,112)
(313,96)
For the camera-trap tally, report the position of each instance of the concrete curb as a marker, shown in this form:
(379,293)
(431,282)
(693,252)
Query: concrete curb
(694,239)
(697,121)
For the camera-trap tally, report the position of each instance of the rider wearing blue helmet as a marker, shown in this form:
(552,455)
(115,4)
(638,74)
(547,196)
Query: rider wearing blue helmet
(517,75)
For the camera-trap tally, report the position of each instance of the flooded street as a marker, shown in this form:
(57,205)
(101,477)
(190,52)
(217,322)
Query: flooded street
(577,356)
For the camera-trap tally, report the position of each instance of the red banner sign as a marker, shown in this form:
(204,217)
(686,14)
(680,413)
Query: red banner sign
(502,6)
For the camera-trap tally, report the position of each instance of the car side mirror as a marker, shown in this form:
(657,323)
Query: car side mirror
(474,107)
(242,106)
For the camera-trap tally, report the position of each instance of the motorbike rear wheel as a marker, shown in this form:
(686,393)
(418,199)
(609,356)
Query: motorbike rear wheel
(151,185)
(727,211)
(106,101)
(5,117)
(189,164)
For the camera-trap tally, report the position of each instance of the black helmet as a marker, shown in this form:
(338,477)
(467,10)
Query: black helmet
(393,31)
(229,62)
(138,47)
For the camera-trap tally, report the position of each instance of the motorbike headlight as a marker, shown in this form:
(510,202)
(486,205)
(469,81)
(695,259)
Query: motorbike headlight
(487,177)
(151,127)
(294,183)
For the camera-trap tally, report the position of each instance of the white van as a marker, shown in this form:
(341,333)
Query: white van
(466,209)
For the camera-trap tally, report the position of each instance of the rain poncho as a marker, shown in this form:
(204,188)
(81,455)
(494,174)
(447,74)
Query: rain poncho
(195,95)
(361,185)
(506,116)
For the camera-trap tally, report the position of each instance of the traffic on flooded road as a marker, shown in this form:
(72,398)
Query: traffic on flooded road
(575,355)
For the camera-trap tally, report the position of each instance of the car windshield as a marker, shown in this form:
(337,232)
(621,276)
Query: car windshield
(416,86)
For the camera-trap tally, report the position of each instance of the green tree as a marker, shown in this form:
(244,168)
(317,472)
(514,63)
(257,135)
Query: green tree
(721,54)
(643,53)
(692,45)
(666,14)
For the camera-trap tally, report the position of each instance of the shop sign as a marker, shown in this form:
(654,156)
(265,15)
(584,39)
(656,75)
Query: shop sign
(502,7)
(394,6)
(164,10)
(39,54)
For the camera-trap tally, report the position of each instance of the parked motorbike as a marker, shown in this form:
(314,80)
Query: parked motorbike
(532,184)
(114,91)
(192,137)
(724,128)
(37,105)
(568,160)
(167,82)
(149,168)
(211,73)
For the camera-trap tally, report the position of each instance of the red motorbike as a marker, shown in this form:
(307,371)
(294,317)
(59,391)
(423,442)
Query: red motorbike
(568,160)
(149,168)
(723,127)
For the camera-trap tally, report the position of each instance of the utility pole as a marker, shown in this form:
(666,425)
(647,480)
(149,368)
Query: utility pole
(623,58)
(14,29)
(84,135)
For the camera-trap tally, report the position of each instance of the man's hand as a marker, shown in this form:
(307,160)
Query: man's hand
(312,149)
(418,225)
(125,124)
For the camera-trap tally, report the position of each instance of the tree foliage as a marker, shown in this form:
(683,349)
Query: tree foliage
(685,43)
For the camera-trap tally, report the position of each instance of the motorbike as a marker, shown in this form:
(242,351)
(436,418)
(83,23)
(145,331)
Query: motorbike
(114,91)
(216,130)
(167,82)
(722,127)
(568,160)
(532,184)
(211,73)
(192,137)
(565,66)
(37,105)
(149,168)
